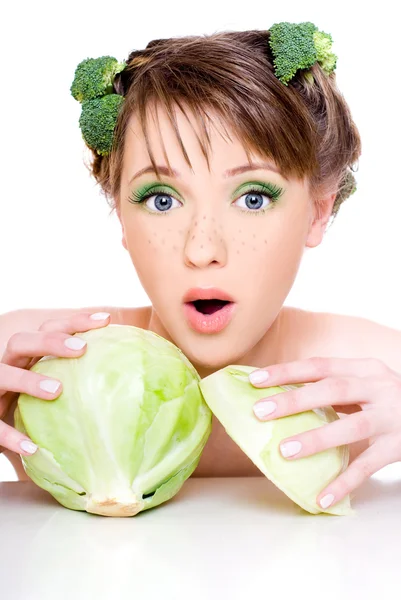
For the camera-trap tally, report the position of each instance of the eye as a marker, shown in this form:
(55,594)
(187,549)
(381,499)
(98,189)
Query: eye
(162,201)
(254,200)
(155,201)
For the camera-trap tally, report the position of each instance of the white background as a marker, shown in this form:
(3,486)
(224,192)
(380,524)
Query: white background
(58,245)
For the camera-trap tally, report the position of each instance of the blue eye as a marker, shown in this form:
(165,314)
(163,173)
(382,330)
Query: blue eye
(163,200)
(254,200)
(261,197)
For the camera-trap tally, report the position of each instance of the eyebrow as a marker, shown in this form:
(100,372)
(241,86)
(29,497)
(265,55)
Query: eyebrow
(229,173)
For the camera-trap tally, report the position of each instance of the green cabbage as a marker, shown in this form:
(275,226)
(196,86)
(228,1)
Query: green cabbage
(231,397)
(128,428)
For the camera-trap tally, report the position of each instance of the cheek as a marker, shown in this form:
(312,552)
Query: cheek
(269,259)
(151,247)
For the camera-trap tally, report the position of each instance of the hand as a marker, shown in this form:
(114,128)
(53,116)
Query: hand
(366,388)
(23,350)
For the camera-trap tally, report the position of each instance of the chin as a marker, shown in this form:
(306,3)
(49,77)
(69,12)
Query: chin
(212,356)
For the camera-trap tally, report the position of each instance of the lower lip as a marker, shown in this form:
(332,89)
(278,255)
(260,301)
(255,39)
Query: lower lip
(208,323)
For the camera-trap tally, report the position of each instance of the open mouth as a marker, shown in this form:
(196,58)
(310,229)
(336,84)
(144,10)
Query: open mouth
(208,307)
(209,315)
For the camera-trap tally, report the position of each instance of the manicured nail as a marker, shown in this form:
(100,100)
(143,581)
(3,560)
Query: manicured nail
(75,343)
(49,385)
(326,500)
(28,446)
(258,376)
(100,316)
(263,409)
(290,448)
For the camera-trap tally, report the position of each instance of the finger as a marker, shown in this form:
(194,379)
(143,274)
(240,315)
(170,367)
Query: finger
(50,340)
(23,346)
(353,428)
(79,322)
(14,379)
(15,441)
(316,368)
(377,456)
(328,392)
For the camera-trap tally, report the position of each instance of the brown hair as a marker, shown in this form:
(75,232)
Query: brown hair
(306,127)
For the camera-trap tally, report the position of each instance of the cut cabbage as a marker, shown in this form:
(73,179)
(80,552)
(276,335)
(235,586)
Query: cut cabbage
(231,397)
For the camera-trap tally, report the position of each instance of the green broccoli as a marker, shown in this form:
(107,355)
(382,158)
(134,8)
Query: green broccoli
(325,56)
(299,46)
(349,185)
(94,77)
(346,190)
(97,121)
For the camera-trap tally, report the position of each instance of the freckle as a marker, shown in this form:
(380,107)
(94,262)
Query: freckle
(202,246)
(213,219)
(265,241)
(243,243)
(169,229)
(163,241)
(210,239)
(179,231)
(193,237)
(221,239)
(254,235)
(239,230)
(202,231)
(149,242)
(237,251)
(254,248)
(204,216)
(196,222)
(174,247)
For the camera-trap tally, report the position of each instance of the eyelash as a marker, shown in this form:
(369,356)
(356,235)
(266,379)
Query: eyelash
(273,192)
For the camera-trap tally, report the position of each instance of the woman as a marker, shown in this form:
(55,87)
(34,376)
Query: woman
(229,154)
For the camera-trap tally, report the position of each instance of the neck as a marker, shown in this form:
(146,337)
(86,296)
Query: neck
(267,351)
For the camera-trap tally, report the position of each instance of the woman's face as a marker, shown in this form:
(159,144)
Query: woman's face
(201,228)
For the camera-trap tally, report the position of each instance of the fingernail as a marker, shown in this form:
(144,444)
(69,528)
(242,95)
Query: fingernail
(100,316)
(28,446)
(263,409)
(49,385)
(290,448)
(75,343)
(326,500)
(258,376)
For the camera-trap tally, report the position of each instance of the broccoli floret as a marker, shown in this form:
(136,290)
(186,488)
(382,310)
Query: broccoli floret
(325,56)
(293,48)
(349,186)
(94,77)
(97,121)
(299,46)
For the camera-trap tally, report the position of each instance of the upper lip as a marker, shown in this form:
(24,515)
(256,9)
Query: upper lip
(207,293)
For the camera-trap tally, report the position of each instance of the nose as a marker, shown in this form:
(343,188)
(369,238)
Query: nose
(205,244)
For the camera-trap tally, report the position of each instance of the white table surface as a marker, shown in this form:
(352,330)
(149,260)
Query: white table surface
(231,538)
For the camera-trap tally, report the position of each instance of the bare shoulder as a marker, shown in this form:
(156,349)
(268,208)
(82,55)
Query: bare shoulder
(344,336)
